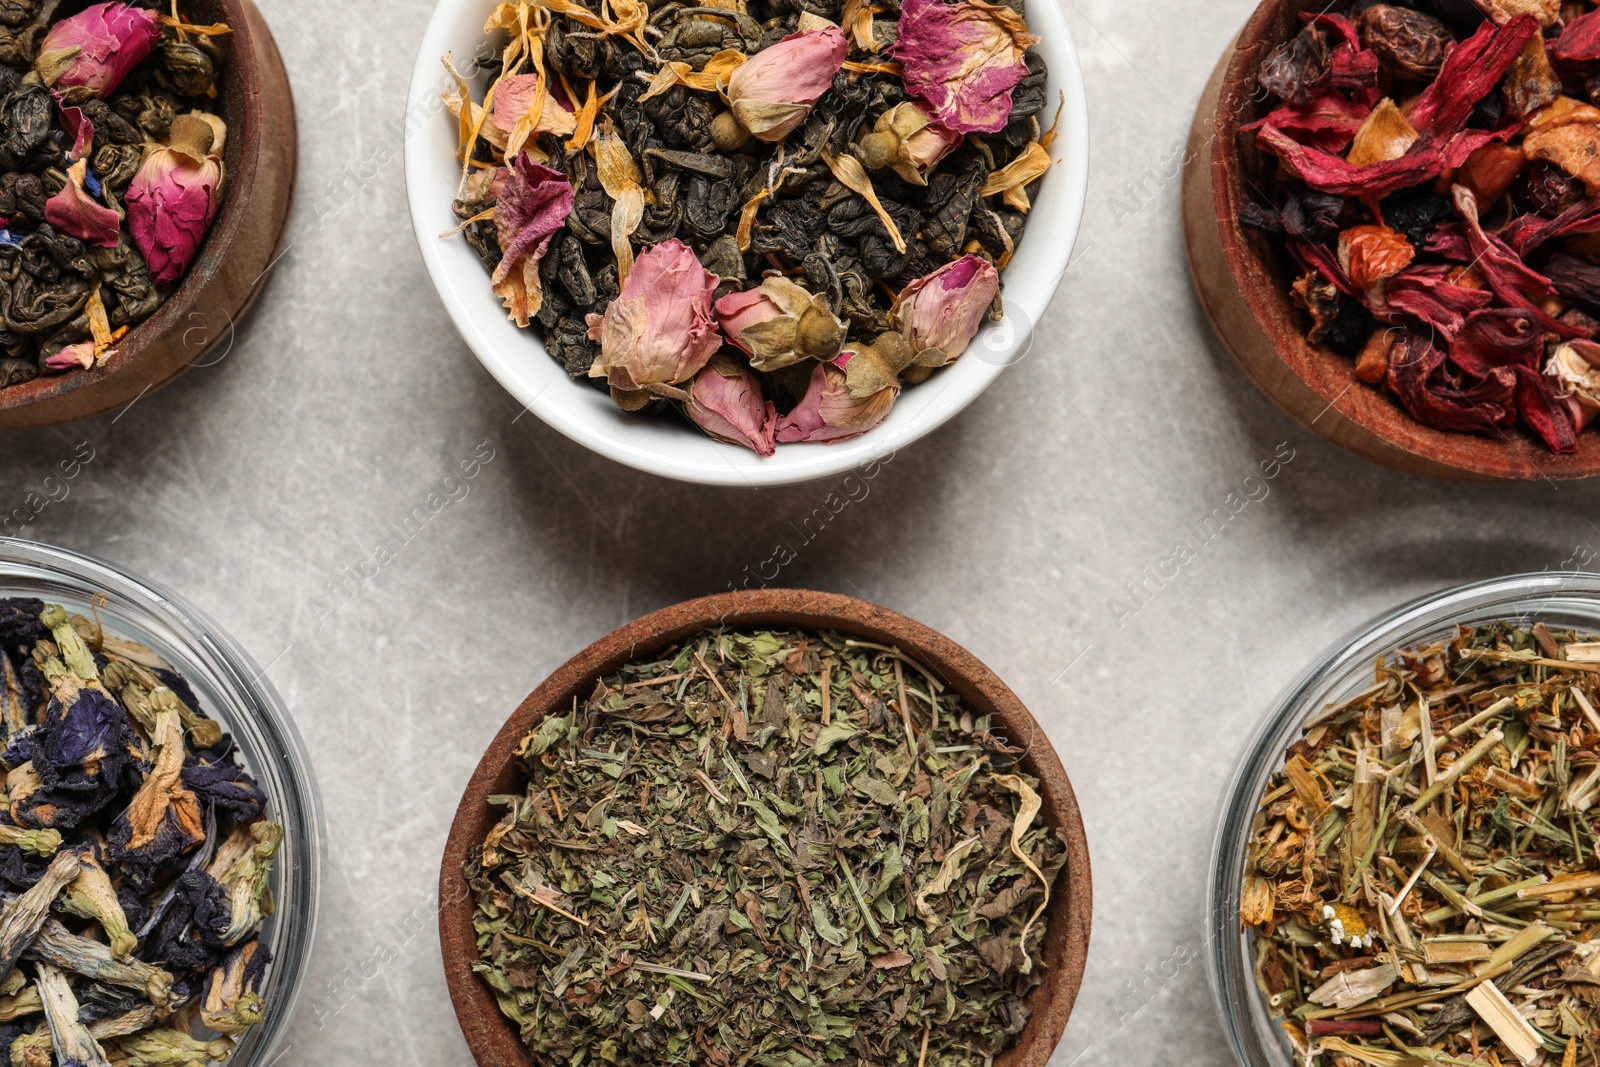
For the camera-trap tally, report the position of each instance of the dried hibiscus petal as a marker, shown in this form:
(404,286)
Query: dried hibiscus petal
(1579,41)
(1470,72)
(1299,70)
(1497,337)
(1415,366)
(1575,279)
(1427,295)
(1513,280)
(1328,123)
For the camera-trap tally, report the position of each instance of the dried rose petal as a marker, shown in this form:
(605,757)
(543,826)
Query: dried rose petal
(771,93)
(939,313)
(174,198)
(829,413)
(515,96)
(533,203)
(1410,43)
(72,357)
(779,323)
(725,401)
(964,59)
(73,211)
(1369,254)
(109,39)
(659,330)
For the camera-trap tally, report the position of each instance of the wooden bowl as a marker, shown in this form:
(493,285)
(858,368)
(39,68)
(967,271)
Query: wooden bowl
(493,1038)
(202,312)
(1243,283)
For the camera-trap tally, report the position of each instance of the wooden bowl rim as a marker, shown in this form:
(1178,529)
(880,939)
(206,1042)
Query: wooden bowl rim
(241,160)
(1515,455)
(493,1039)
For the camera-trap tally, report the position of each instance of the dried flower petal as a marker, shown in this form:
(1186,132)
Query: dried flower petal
(74,211)
(1014,178)
(1575,379)
(659,330)
(525,100)
(1579,41)
(829,413)
(96,48)
(175,197)
(1470,72)
(534,203)
(1328,123)
(940,313)
(906,139)
(779,323)
(771,93)
(725,401)
(964,59)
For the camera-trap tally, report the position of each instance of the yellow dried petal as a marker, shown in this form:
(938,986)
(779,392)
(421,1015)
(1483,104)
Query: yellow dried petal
(857,22)
(584,126)
(626,214)
(747,220)
(1013,178)
(848,170)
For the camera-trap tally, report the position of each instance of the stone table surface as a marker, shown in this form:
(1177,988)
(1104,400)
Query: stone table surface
(347,398)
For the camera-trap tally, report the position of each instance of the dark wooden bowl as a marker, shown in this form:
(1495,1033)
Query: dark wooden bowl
(201,314)
(1243,283)
(493,1038)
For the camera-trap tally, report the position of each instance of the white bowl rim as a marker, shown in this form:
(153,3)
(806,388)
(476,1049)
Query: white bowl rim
(517,359)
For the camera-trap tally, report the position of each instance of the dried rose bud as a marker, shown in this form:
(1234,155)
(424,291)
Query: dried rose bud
(907,140)
(771,93)
(659,330)
(829,413)
(1299,70)
(74,211)
(725,401)
(779,323)
(964,59)
(96,48)
(940,313)
(1369,254)
(1410,43)
(1573,371)
(174,198)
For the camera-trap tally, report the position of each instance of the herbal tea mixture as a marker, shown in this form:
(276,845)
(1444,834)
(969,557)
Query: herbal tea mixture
(1422,870)
(1435,188)
(110,173)
(134,856)
(767,848)
(770,215)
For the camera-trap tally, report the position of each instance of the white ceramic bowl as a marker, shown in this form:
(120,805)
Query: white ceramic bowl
(668,447)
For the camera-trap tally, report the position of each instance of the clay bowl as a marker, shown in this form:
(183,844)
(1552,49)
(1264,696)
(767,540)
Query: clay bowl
(493,1038)
(1243,284)
(199,317)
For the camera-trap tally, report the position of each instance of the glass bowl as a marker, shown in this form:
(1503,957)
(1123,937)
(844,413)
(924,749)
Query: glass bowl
(232,691)
(1561,600)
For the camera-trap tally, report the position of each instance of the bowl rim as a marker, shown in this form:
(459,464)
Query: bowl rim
(1565,597)
(242,156)
(253,697)
(683,454)
(493,1039)
(1513,455)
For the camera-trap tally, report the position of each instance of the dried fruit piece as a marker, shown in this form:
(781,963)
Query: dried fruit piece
(1369,254)
(1409,43)
(1299,70)
(1385,135)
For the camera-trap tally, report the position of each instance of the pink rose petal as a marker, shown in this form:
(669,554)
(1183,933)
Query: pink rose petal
(964,59)
(112,39)
(534,203)
(75,212)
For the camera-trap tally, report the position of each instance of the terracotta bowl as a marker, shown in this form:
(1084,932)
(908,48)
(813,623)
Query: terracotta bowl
(1243,283)
(493,1038)
(199,317)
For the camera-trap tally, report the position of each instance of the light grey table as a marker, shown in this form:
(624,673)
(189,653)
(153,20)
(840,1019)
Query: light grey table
(252,485)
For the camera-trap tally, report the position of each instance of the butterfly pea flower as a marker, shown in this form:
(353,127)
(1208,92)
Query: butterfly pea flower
(242,866)
(91,896)
(725,401)
(38,842)
(772,92)
(174,198)
(779,323)
(59,947)
(909,141)
(95,49)
(233,1001)
(829,413)
(964,59)
(940,313)
(163,820)
(25,913)
(659,330)
(164,1046)
(73,1043)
